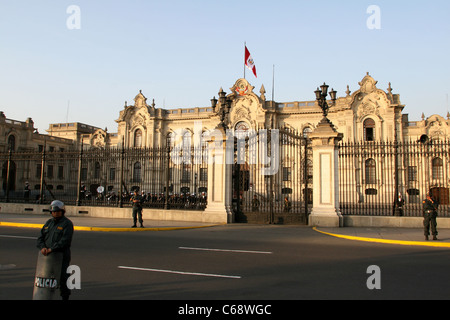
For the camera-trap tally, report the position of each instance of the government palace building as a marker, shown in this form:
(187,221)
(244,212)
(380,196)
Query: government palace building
(368,114)
(382,154)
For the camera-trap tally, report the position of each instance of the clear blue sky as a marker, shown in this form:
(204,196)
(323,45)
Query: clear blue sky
(181,52)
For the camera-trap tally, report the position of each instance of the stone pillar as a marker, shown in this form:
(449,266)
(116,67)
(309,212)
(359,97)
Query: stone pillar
(325,211)
(219,178)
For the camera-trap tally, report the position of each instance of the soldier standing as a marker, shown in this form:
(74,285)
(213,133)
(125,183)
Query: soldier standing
(430,207)
(137,208)
(255,203)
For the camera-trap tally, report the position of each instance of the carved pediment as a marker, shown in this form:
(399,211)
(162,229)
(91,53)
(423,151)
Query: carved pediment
(140,101)
(99,138)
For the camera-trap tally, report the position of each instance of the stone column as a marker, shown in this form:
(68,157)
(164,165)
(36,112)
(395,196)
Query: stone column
(325,211)
(219,179)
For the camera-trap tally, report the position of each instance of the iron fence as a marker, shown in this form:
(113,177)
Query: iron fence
(107,177)
(392,178)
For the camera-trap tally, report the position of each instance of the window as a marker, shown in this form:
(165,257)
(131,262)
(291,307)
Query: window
(11,143)
(137,172)
(170,139)
(84,173)
(112,174)
(413,195)
(186,140)
(50,171)
(306,132)
(203,174)
(38,171)
(97,170)
(186,173)
(371,171)
(138,138)
(60,172)
(286,174)
(412,173)
(437,169)
(369,130)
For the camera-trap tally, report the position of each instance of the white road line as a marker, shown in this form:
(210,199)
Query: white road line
(225,250)
(181,272)
(7,266)
(17,237)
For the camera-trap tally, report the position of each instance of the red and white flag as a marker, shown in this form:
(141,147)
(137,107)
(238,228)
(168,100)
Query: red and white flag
(249,63)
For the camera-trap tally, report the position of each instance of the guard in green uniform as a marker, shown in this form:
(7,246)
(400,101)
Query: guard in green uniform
(137,209)
(255,203)
(56,236)
(430,207)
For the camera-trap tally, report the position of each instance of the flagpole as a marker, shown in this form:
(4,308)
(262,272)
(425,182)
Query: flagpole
(245,46)
(273,82)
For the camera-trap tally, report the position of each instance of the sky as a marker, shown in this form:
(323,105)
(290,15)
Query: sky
(63,65)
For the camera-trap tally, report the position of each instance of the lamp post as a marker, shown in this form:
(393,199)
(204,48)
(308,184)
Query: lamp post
(213,104)
(321,97)
(225,107)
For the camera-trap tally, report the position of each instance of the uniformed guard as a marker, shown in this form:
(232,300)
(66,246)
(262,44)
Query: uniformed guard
(430,207)
(287,204)
(56,236)
(255,203)
(136,198)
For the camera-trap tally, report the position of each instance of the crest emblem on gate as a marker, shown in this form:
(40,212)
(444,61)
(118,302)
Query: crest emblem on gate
(242,91)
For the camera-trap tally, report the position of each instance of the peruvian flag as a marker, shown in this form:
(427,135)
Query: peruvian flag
(249,63)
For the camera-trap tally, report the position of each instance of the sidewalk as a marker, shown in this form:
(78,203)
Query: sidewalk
(97,224)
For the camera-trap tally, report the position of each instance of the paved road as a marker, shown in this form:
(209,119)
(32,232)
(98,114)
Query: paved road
(243,262)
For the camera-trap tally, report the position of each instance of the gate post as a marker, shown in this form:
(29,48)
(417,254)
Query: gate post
(219,178)
(325,211)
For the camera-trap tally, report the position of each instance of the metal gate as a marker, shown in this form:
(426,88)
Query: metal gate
(278,192)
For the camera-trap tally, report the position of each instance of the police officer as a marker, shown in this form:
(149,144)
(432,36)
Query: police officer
(136,198)
(56,236)
(430,207)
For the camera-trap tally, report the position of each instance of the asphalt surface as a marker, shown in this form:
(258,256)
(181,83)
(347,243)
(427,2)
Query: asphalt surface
(237,261)
(399,236)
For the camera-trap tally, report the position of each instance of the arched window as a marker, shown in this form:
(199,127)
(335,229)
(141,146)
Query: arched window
(138,138)
(437,168)
(306,132)
(12,143)
(186,139)
(371,171)
(137,172)
(369,130)
(170,139)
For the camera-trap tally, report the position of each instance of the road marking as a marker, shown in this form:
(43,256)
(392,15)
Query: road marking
(181,272)
(387,241)
(225,250)
(18,237)
(7,266)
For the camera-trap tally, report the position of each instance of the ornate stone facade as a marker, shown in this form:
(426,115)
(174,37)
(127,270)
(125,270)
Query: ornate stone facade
(369,113)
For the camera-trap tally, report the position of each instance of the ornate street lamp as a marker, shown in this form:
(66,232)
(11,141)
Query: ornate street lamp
(213,103)
(321,97)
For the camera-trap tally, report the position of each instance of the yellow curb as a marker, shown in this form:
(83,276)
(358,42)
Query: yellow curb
(386,241)
(101,229)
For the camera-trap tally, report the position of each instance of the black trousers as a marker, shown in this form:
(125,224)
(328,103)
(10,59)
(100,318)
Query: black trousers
(429,221)
(137,214)
(65,291)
